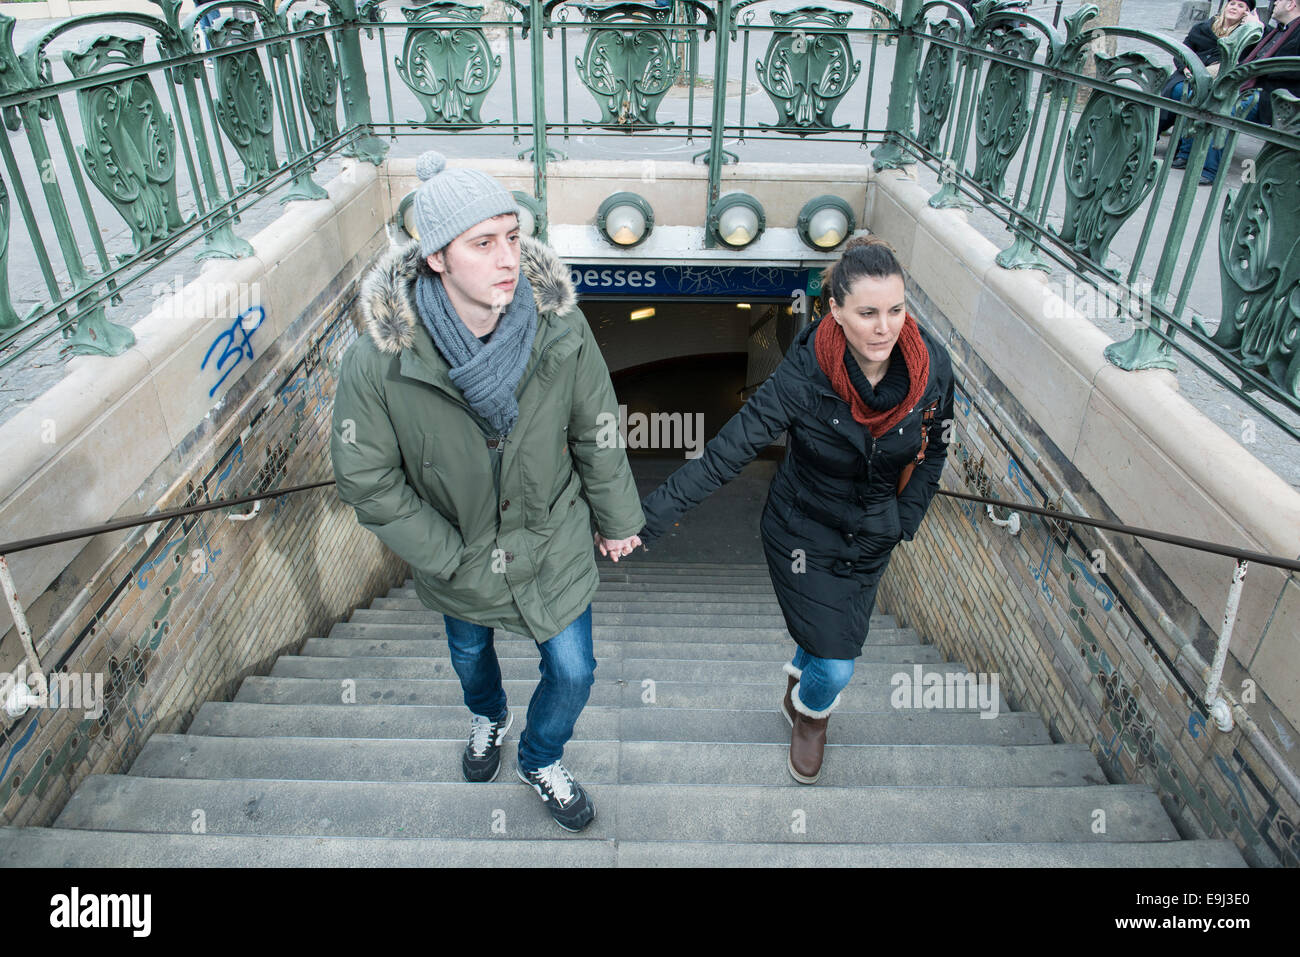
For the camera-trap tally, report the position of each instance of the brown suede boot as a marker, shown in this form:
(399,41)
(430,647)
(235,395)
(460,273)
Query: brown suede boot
(807,739)
(787,708)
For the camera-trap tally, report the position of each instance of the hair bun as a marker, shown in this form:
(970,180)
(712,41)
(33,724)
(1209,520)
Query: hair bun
(868,239)
(430,164)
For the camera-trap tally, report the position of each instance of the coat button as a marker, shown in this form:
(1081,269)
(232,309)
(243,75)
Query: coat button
(510,557)
(505,505)
(835,421)
(493,443)
(428,465)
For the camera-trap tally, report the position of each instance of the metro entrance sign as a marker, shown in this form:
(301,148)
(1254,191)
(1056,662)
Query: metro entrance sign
(730,282)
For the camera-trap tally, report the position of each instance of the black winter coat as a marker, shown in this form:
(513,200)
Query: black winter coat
(1280,81)
(1202,41)
(832,516)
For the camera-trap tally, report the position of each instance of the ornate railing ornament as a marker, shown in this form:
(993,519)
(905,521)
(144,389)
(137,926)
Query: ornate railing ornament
(1259,251)
(1110,164)
(244,102)
(448,64)
(935,85)
(808,68)
(130,151)
(318,78)
(1003,115)
(628,64)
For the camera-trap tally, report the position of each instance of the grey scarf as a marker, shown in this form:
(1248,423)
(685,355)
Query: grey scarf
(486,374)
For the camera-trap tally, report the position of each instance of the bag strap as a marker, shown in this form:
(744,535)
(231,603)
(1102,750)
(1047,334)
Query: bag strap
(927,416)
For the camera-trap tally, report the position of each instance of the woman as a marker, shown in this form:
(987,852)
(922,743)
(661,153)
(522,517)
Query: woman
(1203,40)
(865,395)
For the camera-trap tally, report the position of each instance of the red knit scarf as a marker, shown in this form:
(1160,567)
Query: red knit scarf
(830,344)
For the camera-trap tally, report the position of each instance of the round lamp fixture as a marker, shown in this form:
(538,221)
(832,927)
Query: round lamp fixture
(405,218)
(825,222)
(625,219)
(736,220)
(530,212)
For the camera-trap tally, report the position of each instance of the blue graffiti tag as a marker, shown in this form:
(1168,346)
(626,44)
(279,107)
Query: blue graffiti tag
(1195,724)
(962,400)
(20,744)
(1102,591)
(143,580)
(245,324)
(1013,473)
(237,460)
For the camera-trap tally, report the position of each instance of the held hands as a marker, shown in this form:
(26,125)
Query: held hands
(616,548)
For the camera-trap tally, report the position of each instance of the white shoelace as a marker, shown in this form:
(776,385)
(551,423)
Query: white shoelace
(558,780)
(480,734)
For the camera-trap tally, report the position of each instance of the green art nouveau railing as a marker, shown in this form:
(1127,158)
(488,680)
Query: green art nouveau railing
(1014,113)
(174,138)
(1003,88)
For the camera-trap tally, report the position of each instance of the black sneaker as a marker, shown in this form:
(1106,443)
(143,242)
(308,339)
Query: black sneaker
(482,758)
(563,796)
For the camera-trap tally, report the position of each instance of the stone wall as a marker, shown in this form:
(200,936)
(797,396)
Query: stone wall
(178,613)
(1088,628)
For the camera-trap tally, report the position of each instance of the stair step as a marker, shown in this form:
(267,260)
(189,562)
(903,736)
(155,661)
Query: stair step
(609,688)
(606,648)
(684,585)
(61,847)
(611,762)
(604,723)
(661,669)
(1199,854)
(711,614)
(620,632)
(649,601)
(635,812)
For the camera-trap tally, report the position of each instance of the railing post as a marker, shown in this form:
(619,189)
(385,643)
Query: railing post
(536,17)
(19,697)
(902,90)
(719,111)
(352,84)
(1220,710)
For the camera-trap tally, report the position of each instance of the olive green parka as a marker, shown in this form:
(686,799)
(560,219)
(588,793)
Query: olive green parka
(498,533)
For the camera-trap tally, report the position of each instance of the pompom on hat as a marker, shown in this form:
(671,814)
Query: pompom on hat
(450,201)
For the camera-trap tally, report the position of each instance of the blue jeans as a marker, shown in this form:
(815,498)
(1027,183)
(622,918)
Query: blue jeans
(1215,156)
(1173,91)
(568,666)
(822,679)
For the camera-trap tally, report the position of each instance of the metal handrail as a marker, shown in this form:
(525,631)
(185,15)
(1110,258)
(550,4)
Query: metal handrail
(1239,554)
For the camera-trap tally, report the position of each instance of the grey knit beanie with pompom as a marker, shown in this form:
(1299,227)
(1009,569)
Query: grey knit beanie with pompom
(450,201)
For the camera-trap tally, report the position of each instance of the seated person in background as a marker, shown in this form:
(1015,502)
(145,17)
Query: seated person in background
(1256,102)
(1203,40)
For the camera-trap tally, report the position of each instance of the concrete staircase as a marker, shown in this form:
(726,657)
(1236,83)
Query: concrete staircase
(289,774)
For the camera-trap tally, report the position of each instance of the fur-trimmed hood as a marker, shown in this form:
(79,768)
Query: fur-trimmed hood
(388,314)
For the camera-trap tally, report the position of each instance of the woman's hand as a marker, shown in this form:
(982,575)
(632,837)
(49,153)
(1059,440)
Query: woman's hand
(616,548)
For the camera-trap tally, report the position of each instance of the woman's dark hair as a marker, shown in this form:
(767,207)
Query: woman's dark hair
(864,256)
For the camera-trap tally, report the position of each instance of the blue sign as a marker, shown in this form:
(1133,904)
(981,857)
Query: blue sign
(720,281)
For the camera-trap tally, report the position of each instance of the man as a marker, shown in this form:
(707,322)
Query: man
(1256,102)
(464,436)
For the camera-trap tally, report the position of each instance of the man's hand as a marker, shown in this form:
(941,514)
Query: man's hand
(616,548)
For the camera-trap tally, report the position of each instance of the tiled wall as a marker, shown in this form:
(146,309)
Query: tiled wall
(1054,612)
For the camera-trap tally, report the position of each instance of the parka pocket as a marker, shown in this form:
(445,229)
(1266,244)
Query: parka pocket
(881,527)
(564,503)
